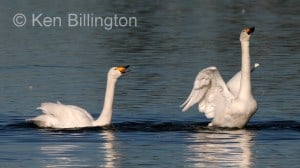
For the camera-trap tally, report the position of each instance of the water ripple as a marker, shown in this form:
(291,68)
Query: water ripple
(153,126)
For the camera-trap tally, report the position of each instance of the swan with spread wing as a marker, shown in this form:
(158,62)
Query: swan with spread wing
(229,105)
(58,115)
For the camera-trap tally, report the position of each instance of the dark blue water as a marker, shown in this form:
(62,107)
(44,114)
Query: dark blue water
(172,41)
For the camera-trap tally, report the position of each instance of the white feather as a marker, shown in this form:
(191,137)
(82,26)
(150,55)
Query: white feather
(230,105)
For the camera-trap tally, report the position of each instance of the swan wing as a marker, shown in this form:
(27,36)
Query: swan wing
(234,83)
(59,115)
(210,92)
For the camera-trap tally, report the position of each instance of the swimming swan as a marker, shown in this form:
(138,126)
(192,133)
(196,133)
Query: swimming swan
(58,115)
(230,105)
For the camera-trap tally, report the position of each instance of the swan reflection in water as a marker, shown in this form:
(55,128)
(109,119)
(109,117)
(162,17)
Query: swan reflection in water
(68,154)
(110,155)
(220,149)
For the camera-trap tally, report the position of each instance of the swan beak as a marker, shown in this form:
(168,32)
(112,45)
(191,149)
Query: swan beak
(123,69)
(250,30)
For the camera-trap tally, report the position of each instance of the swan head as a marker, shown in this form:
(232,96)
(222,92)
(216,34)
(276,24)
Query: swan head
(246,33)
(116,72)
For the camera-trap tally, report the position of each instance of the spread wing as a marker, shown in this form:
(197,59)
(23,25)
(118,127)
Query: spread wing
(210,91)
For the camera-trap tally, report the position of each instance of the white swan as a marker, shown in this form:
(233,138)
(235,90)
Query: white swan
(230,105)
(57,115)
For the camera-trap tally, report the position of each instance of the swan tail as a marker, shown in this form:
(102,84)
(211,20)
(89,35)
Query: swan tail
(43,121)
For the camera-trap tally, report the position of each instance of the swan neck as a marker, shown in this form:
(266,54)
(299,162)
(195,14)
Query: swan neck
(106,114)
(245,88)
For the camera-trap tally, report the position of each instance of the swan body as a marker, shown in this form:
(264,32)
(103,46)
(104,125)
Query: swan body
(58,115)
(229,105)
